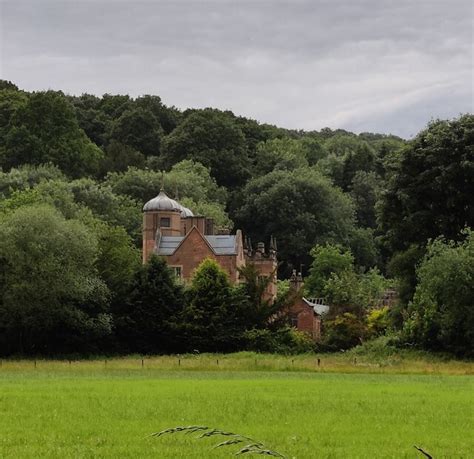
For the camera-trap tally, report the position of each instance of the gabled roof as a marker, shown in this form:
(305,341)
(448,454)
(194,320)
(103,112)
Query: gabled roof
(220,245)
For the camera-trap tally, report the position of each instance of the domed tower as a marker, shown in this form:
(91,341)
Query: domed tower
(160,213)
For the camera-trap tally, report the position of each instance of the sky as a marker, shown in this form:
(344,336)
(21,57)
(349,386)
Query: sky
(362,65)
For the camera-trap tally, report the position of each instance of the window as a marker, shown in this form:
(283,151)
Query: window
(294,321)
(177,271)
(165,222)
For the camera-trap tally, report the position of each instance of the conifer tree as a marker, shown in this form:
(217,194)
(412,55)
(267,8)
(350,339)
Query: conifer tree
(147,321)
(211,320)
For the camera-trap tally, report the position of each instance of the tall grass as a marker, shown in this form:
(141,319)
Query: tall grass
(365,360)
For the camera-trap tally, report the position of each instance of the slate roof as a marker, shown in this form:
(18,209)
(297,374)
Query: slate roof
(222,245)
(168,244)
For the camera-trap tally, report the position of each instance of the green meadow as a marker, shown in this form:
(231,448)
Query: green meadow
(346,407)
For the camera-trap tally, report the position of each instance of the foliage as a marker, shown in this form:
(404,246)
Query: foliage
(365,189)
(209,209)
(139,129)
(214,139)
(147,319)
(118,259)
(365,248)
(115,209)
(212,319)
(378,321)
(344,332)
(52,297)
(276,154)
(26,176)
(44,130)
(118,157)
(327,259)
(284,340)
(429,193)
(441,316)
(355,292)
(189,179)
(300,208)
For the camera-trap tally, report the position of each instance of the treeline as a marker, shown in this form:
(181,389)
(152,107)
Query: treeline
(87,164)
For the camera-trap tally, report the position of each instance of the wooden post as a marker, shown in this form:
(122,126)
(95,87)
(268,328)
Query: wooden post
(179,362)
(319,362)
(217,361)
(35,363)
(142,363)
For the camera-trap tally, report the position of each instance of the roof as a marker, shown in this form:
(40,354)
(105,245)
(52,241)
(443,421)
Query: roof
(169,244)
(317,304)
(221,245)
(164,202)
(161,202)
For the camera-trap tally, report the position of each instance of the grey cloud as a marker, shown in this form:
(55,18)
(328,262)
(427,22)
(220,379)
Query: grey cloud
(299,64)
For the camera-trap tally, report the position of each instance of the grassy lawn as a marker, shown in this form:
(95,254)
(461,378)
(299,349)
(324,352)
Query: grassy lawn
(342,409)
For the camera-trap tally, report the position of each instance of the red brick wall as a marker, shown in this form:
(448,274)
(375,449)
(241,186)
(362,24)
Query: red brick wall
(193,250)
(307,320)
(151,221)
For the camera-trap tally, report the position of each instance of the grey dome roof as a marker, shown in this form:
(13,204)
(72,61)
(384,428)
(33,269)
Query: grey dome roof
(162,202)
(185,212)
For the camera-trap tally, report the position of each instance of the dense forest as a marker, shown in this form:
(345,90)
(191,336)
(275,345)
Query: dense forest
(356,213)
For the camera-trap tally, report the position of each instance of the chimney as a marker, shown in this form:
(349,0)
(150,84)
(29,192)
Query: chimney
(296,281)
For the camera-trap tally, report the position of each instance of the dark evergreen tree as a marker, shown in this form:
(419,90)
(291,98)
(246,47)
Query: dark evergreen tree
(211,319)
(147,321)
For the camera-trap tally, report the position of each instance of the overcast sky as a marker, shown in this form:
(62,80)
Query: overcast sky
(362,65)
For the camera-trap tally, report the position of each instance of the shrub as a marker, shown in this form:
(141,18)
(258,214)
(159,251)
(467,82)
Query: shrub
(284,340)
(344,332)
(378,321)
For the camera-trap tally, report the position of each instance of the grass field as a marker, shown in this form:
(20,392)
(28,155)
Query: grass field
(341,409)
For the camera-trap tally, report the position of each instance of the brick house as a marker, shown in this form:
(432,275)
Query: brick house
(185,240)
(306,313)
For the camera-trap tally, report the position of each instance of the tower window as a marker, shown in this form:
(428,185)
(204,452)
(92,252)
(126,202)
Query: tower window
(165,222)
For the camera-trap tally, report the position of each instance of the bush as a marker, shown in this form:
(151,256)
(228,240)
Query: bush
(378,321)
(344,332)
(441,316)
(284,340)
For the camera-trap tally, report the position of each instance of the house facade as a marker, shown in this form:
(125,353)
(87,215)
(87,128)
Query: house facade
(306,313)
(185,240)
